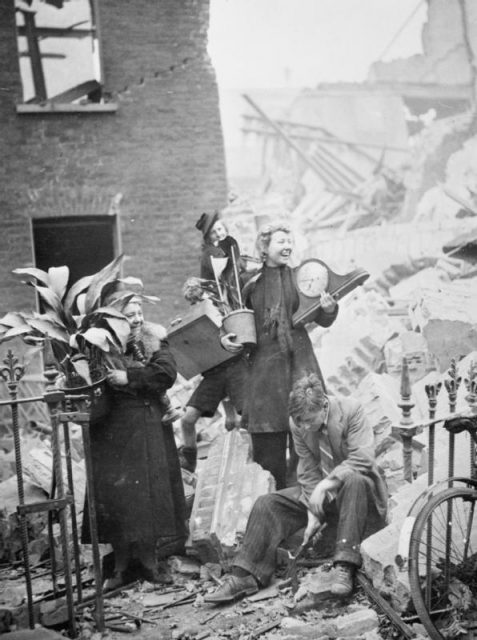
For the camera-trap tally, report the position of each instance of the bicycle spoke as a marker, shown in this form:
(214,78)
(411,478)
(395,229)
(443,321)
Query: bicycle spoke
(443,562)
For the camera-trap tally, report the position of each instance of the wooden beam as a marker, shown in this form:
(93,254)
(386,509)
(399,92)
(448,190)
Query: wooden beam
(330,139)
(55,108)
(55,32)
(316,166)
(53,56)
(35,56)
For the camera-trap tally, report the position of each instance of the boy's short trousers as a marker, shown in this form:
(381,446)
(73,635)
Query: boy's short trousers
(226,380)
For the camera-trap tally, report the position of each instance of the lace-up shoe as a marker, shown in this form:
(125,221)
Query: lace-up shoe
(342,584)
(233,588)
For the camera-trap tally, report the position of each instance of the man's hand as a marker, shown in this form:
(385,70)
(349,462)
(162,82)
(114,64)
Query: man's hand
(311,527)
(117,377)
(318,497)
(229,344)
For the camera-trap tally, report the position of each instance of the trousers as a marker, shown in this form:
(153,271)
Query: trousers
(276,516)
(270,451)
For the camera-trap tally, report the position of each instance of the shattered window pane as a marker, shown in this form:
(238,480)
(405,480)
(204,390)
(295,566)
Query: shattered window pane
(58,51)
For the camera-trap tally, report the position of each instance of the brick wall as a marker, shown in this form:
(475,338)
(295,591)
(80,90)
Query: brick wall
(162,150)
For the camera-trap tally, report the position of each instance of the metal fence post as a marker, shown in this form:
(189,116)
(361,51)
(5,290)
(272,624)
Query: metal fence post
(12,373)
(452,384)
(406,430)
(54,398)
(471,398)
(432,391)
(83,418)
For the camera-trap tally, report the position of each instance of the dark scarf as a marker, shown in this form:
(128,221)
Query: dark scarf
(140,348)
(135,349)
(278,300)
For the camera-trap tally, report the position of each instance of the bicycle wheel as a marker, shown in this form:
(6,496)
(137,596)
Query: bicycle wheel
(443,564)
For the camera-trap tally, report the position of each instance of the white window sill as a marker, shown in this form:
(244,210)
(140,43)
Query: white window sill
(53,107)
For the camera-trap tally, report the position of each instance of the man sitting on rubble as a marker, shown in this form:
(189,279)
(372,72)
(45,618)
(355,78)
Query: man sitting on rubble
(337,474)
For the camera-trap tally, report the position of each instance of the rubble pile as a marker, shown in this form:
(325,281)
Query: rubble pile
(354,345)
(10,540)
(177,611)
(431,149)
(446,315)
(385,552)
(228,485)
(37,477)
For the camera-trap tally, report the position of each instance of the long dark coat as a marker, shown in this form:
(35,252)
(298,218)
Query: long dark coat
(137,478)
(273,370)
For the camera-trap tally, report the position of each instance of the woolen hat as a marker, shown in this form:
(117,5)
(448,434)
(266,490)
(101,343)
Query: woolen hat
(206,222)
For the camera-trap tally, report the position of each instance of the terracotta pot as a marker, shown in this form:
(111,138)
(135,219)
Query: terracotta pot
(242,323)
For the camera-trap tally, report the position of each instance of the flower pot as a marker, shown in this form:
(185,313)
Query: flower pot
(98,395)
(242,323)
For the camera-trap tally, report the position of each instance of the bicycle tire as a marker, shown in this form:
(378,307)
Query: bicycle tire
(452,545)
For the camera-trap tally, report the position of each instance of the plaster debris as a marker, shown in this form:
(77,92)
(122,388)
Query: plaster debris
(228,484)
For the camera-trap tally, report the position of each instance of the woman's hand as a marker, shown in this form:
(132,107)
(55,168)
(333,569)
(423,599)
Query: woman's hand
(117,377)
(229,344)
(328,303)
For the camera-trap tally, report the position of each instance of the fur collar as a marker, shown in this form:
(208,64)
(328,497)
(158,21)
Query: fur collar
(152,335)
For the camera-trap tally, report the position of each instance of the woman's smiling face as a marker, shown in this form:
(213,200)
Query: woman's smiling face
(133,313)
(279,250)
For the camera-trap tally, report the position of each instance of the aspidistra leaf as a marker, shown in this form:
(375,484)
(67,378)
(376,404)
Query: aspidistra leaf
(58,279)
(99,337)
(14,332)
(33,272)
(49,328)
(110,311)
(50,298)
(81,303)
(108,274)
(151,299)
(50,316)
(121,330)
(135,284)
(13,319)
(82,369)
(78,287)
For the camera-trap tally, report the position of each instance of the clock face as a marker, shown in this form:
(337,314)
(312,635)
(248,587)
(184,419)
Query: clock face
(312,278)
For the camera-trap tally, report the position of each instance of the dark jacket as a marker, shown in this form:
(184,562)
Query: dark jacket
(137,478)
(223,250)
(351,439)
(273,370)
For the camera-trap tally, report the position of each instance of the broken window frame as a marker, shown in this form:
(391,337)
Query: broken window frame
(64,101)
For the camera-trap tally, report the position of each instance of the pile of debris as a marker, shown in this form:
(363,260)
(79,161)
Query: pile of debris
(176,609)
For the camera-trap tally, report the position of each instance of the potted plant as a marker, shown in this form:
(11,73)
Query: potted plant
(237,319)
(75,327)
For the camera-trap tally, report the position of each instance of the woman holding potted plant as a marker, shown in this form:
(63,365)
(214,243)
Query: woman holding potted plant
(283,353)
(95,327)
(138,484)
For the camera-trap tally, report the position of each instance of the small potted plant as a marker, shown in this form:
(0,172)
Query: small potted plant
(237,319)
(75,326)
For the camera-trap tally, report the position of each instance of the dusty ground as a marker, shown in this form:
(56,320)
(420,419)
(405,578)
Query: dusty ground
(177,611)
(151,612)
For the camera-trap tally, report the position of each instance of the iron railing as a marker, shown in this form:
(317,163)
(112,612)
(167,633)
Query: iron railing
(62,410)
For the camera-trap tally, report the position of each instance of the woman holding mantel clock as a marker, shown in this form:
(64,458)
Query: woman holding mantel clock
(283,353)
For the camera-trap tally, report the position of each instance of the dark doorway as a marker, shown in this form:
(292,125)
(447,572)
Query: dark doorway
(84,243)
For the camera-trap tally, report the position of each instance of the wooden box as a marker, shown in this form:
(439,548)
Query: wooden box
(194,340)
